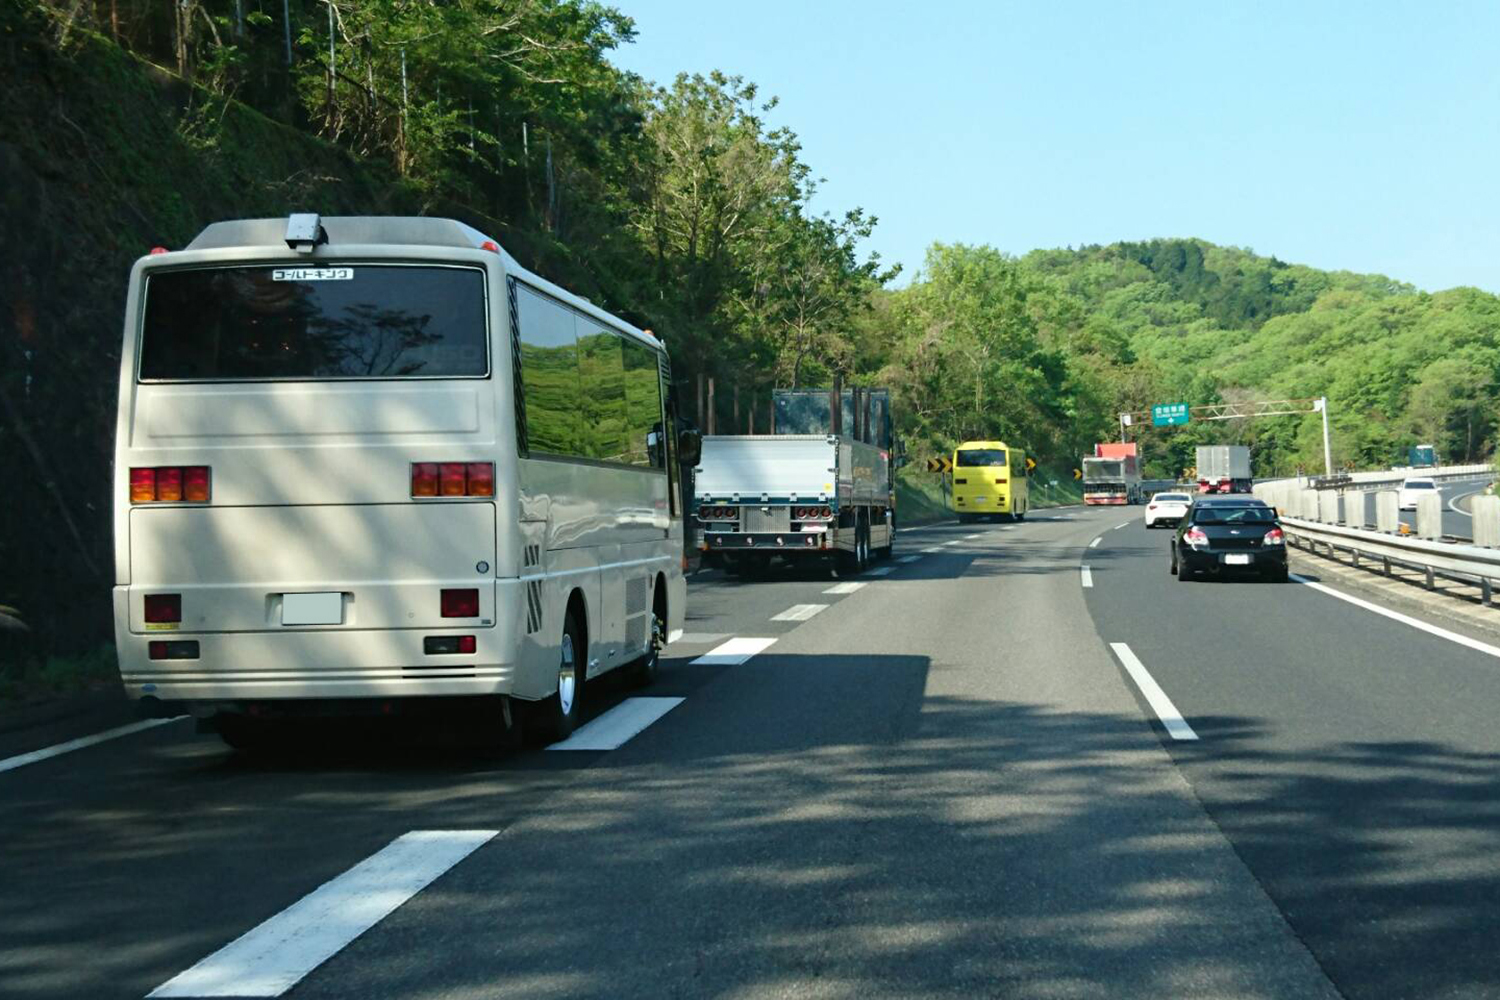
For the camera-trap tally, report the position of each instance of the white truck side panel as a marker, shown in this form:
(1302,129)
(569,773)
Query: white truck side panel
(753,466)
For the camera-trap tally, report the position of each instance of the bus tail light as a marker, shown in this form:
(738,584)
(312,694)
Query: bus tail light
(163,608)
(481,479)
(439,644)
(160,650)
(142,485)
(170,484)
(195,484)
(453,479)
(460,603)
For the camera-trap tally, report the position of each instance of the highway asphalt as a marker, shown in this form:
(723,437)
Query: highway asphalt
(959,778)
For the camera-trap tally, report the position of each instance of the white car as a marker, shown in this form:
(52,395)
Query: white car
(1414,489)
(1167,508)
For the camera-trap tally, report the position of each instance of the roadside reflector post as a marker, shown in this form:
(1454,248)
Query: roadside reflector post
(1484,589)
(1387,515)
(1431,579)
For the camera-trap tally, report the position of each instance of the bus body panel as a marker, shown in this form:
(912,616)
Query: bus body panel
(311,492)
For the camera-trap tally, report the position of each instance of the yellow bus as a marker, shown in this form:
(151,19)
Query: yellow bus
(989,480)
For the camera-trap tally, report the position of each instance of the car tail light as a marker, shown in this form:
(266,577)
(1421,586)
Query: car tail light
(1195,537)
(169,484)
(163,608)
(142,485)
(481,479)
(1274,537)
(1151,506)
(461,603)
(195,482)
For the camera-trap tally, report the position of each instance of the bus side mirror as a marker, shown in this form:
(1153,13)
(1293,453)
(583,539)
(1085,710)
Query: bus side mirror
(689,446)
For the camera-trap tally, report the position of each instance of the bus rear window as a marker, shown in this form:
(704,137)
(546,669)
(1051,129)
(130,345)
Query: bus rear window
(981,457)
(330,322)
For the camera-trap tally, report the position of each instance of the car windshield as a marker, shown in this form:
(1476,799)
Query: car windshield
(1172,498)
(1234,515)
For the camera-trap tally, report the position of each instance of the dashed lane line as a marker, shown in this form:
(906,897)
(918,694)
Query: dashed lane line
(881,571)
(619,725)
(732,653)
(1416,623)
(1087,575)
(1172,719)
(956,541)
(698,638)
(935,548)
(1095,543)
(970,538)
(47,753)
(799,612)
(847,588)
(273,957)
(908,559)
(674,636)
(1119,526)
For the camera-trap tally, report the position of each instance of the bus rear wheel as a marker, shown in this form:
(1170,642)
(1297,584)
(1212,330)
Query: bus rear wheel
(556,716)
(644,672)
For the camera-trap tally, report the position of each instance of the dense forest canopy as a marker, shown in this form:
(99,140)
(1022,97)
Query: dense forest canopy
(679,205)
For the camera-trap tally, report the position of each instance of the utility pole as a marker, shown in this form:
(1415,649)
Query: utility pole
(286,23)
(1321,404)
(710,404)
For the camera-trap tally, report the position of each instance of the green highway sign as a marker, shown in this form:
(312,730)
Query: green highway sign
(1169,414)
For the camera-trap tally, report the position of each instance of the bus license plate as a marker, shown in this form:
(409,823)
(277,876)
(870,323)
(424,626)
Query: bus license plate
(1236,560)
(312,609)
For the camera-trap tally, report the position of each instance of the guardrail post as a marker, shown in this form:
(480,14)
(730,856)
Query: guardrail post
(1486,511)
(1431,579)
(1430,517)
(1387,513)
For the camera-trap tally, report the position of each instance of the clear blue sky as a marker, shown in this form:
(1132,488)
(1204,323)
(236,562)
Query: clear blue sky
(1363,136)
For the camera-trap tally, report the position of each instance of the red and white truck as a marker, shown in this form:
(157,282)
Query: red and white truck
(1112,475)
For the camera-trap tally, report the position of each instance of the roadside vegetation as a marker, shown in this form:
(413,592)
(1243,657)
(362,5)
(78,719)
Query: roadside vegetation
(681,205)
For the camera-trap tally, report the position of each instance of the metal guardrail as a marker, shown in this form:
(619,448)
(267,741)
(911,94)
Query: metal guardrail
(1470,563)
(1389,477)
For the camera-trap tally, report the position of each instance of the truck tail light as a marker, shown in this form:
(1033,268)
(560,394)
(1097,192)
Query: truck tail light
(424,479)
(160,650)
(169,484)
(460,603)
(481,479)
(452,482)
(163,608)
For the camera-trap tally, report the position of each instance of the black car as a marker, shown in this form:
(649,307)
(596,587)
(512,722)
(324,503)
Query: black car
(1229,534)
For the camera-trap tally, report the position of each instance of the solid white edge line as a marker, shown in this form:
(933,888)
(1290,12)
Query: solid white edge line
(1416,623)
(1172,719)
(1095,543)
(1087,575)
(618,726)
(274,956)
(732,653)
(47,753)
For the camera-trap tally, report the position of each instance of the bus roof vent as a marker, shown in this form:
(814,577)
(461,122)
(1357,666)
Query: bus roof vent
(305,231)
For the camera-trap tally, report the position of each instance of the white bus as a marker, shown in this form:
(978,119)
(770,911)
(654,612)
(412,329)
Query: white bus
(364,464)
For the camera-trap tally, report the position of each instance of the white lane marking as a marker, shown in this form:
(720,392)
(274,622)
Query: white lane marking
(21,760)
(674,636)
(273,957)
(1095,543)
(1416,623)
(703,638)
(1007,527)
(732,653)
(1088,575)
(955,541)
(1453,502)
(970,538)
(908,559)
(1177,726)
(845,588)
(882,571)
(1119,526)
(619,725)
(935,548)
(799,612)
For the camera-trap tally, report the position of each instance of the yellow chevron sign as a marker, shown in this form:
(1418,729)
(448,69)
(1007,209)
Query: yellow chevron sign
(944,464)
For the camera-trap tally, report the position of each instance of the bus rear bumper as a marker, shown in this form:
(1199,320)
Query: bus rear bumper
(235,668)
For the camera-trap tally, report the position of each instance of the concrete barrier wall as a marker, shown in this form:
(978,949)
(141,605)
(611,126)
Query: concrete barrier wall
(1430,516)
(1486,511)
(1328,504)
(1387,511)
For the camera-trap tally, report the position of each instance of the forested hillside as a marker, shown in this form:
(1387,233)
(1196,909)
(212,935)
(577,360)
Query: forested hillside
(680,205)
